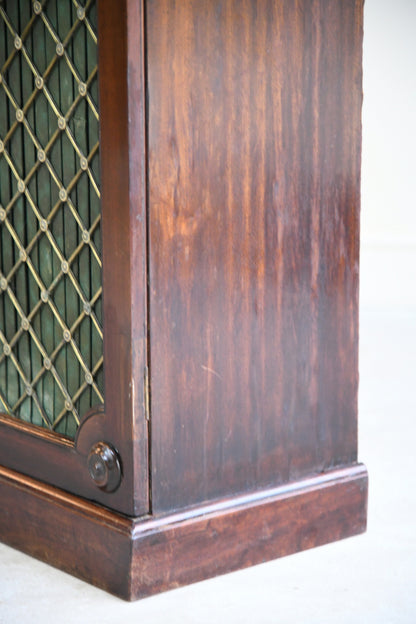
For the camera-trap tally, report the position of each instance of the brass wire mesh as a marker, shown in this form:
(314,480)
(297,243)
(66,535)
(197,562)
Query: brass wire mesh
(51,354)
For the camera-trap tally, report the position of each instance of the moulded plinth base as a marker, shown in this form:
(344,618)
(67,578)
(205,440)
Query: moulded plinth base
(137,557)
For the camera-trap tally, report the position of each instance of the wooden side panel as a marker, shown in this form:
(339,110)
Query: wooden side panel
(254,158)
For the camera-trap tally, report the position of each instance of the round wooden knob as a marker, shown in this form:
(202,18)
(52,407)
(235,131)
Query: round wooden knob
(104,467)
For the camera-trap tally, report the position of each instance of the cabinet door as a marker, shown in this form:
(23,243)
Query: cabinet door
(72,248)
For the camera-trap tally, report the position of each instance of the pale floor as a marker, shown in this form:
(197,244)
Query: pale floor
(366,579)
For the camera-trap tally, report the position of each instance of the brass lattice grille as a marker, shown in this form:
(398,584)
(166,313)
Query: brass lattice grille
(51,355)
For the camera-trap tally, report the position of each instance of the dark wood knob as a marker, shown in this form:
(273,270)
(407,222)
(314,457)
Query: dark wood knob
(104,466)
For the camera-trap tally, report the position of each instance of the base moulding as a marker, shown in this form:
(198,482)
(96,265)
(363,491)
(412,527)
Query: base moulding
(137,557)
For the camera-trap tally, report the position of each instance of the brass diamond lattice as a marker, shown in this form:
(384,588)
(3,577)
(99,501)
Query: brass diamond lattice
(51,355)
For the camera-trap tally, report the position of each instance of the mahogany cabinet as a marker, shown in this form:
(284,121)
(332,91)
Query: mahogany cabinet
(179,230)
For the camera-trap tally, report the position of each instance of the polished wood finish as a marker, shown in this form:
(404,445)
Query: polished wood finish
(254,175)
(66,531)
(230,152)
(52,458)
(123,172)
(136,558)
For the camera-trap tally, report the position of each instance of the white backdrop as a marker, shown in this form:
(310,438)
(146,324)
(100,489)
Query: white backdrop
(388,217)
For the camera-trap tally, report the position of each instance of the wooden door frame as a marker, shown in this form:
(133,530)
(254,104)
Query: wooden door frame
(123,423)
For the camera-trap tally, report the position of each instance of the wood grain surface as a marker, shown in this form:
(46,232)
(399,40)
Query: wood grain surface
(254,159)
(136,558)
(123,203)
(123,175)
(230,161)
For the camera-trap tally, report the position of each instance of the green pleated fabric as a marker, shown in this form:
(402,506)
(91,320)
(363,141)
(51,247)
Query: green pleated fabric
(51,352)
